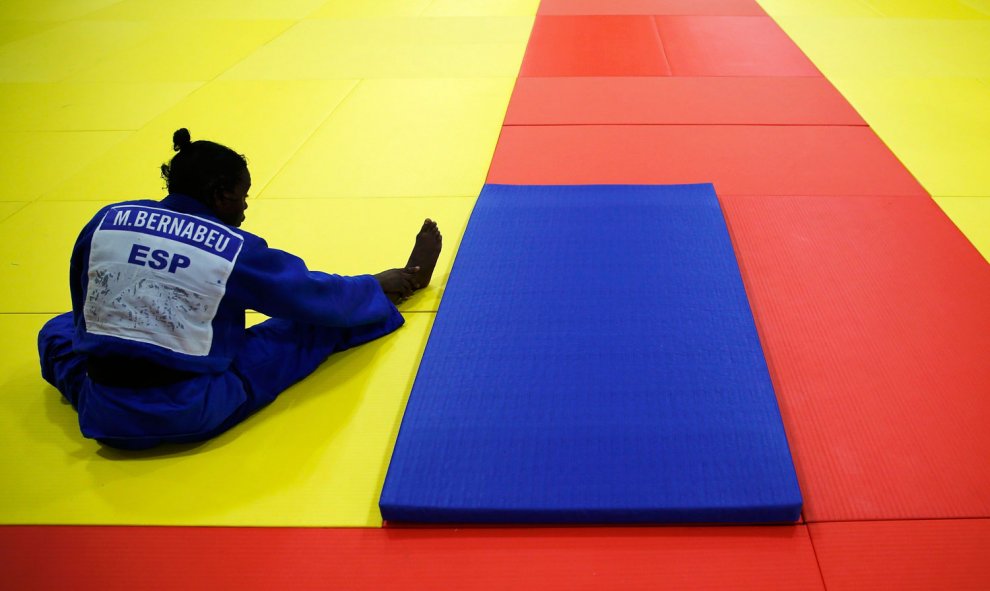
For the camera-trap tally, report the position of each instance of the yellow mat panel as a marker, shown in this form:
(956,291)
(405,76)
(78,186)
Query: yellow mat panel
(840,8)
(950,9)
(482,8)
(889,47)
(191,10)
(84,106)
(358,236)
(35,163)
(938,127)
(972,216)
(237,113)
(316,457)
(54,54)
(206,50)
(35,245)
(9,208)
(392,48)
(39,10)
(396,138)
(370,8)
(14,30)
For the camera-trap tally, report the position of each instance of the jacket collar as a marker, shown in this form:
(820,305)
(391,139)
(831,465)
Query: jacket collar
(186,204)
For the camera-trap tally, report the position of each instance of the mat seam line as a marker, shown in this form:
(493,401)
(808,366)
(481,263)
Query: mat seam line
(900,520)
(23,204)
(295,23)
(357,83)
(663,50)
(818,561)
(426,8)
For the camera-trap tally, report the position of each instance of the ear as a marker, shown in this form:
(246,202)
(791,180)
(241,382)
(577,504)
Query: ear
(219,195)
(216,201)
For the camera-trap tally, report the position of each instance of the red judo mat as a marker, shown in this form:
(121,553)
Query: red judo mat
(738,159)
(672,7)
(757,558)
(904,555)
(641,45)
(594,46)
(678,101)
(874,319)
(730,46)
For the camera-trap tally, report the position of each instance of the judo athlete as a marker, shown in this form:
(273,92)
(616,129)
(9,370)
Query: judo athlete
(155,349)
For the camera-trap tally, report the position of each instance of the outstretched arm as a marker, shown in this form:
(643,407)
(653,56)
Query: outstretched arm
(280,285)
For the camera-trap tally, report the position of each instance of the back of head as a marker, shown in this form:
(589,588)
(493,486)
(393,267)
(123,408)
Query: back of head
(202,168)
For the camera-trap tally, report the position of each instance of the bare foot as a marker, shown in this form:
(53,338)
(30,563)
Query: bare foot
(425,253)
(398,284)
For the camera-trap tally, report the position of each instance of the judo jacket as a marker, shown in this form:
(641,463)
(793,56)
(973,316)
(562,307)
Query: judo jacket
(167,283)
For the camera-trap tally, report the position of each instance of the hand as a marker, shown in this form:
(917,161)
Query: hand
(398,284)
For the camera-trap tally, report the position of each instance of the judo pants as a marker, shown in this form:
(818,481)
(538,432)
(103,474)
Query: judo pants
(276,354)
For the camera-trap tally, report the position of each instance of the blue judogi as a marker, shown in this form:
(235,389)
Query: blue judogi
(159,291)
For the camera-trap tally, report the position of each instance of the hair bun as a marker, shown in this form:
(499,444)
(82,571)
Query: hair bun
(181,139)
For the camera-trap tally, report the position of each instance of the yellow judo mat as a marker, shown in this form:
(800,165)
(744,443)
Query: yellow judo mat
(358,119)
(918,71)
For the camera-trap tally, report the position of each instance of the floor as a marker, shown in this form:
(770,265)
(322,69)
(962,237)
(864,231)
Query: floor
(847,140)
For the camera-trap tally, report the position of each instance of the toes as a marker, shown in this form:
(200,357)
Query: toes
(429,227)
(430,233)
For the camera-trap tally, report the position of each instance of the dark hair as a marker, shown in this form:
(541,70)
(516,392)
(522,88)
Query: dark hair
(201,168)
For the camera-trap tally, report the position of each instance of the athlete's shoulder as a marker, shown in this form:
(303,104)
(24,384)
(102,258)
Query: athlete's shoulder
(144,202)
(101,214)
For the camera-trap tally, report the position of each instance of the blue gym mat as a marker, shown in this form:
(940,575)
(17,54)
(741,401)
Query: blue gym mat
(594,360)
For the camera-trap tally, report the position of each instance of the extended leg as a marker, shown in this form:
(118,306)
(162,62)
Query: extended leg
(279,353)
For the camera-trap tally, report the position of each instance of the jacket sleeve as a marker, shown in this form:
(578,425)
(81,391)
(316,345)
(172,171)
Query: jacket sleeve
(280,285)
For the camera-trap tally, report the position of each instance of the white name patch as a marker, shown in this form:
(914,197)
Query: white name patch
(157,277)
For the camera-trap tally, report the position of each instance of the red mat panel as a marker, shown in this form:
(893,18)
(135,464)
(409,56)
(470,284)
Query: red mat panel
(685,7)
(759,558)
(905,555)
(677,100)
(874,318)
(740,160)
(594,46)
(730,46)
